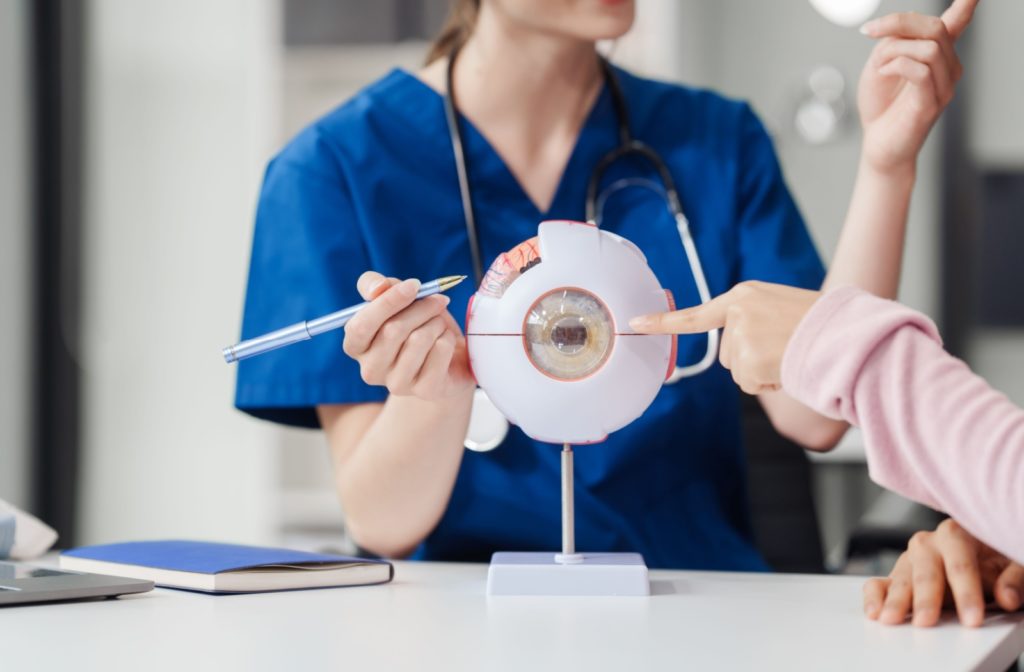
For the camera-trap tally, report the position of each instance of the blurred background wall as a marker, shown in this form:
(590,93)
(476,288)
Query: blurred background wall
(180,118)
(15,253)
(993,340)
(185,102)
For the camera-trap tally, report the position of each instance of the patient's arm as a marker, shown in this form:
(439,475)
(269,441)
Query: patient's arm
(933,430)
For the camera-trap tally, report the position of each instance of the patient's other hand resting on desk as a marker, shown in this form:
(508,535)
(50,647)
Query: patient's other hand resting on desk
(945,567)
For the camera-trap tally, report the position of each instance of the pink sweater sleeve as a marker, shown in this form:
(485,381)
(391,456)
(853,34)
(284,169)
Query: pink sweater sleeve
(933,430)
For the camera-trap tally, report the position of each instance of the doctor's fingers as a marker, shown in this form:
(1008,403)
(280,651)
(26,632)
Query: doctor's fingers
(909,25)
(453,326)
(372,284)
(432,379)
(918,27)
(943,73)
(918,77)
(377,358)
(393,314)
(958,16)
(402,373)
(362,329)
(1009,587)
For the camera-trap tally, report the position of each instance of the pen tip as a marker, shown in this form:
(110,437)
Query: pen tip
(450,281)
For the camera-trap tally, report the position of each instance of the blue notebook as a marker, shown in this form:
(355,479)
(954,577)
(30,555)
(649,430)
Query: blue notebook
(225,568)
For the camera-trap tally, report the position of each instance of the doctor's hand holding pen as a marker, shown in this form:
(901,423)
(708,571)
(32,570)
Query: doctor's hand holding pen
(933,431)
(396,462)
(908,80)
(411,347)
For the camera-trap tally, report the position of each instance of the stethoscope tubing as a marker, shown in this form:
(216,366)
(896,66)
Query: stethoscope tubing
(628,146)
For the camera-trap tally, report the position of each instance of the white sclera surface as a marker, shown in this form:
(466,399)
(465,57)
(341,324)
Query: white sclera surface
(584,411)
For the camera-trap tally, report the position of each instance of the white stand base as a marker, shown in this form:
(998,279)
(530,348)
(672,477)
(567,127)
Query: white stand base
(622,574)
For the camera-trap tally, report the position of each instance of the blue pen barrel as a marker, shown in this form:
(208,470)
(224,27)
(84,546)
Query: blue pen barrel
(303,331)
(267,342)
(333,321)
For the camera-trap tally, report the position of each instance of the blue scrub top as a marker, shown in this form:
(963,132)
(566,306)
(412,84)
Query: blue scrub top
(372,185)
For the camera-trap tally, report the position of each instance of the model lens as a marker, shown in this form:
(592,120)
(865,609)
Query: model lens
(568,334)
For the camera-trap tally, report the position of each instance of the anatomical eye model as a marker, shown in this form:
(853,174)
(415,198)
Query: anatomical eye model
(549,339)
(549,343)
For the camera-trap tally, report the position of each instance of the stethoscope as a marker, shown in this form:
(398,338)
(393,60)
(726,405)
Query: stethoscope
(488,426)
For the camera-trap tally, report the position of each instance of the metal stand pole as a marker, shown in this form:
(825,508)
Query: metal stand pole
(568,518)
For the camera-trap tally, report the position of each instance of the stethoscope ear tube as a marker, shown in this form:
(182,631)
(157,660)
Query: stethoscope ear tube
(455,131)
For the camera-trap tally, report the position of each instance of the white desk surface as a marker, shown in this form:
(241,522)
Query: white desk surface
(435,616)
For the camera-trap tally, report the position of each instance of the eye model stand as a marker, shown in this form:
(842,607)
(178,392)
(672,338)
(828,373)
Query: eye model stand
(568,572)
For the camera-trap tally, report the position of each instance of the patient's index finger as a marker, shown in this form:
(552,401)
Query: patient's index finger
(696,320)
(959,16)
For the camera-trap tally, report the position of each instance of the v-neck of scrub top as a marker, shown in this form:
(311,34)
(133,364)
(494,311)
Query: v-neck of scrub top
(490,177)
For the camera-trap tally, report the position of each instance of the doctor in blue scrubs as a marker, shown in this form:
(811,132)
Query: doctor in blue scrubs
(369,194)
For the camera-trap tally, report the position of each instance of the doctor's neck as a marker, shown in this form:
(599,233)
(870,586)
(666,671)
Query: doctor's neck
(527,76)
(506,59)
(510,72)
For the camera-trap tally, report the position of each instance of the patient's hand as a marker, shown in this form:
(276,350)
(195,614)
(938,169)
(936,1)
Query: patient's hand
(757,320)
(944,567)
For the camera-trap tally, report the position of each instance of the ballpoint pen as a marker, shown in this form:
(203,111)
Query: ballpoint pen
(303,331)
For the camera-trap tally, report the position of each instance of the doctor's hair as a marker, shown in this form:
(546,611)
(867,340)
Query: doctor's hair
(457,28)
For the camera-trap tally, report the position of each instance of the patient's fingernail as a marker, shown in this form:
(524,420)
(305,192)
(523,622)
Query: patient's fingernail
(924,617)
(869,28)
(972,616)
(871,610)
(641,322)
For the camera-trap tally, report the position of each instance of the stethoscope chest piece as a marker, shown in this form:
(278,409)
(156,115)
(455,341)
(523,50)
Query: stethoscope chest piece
(487,426)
